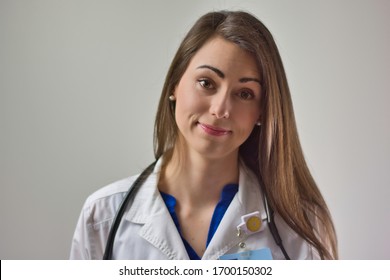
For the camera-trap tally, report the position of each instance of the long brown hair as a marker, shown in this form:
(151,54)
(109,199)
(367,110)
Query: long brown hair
(273,151)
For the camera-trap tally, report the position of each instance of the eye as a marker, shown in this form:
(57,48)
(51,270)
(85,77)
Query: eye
(246,94)
(206,83)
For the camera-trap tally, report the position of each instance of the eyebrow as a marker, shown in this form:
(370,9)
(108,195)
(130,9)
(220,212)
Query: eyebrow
(216,70)
(222,75)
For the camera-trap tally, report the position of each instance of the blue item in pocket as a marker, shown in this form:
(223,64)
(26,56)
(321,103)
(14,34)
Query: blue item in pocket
(261,254)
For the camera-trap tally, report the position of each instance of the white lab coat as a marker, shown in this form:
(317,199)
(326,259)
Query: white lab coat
(147,230)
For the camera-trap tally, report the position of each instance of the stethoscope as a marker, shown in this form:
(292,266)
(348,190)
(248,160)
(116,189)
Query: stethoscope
(131,193)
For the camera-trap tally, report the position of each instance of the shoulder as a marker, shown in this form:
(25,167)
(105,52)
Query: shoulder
(95,220)
(103,204)
(296,246)
(115,188)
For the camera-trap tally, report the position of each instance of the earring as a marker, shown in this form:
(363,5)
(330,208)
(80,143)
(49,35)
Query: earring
(172,98)
(258,123)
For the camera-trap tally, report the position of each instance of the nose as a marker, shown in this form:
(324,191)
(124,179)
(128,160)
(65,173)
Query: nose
(220,106)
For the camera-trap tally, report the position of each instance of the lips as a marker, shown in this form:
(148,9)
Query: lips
(213,130)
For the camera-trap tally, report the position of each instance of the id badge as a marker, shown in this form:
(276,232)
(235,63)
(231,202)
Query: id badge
(261,254)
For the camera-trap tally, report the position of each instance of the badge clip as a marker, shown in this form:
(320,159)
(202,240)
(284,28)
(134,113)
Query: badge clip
(251,223)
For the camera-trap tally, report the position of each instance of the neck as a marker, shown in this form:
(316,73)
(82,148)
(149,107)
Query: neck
(196,179)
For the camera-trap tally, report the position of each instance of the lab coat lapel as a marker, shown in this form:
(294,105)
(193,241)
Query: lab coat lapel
(247,200)
(161,232)
(158,227)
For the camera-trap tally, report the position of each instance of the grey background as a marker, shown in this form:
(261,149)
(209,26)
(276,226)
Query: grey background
(80,82)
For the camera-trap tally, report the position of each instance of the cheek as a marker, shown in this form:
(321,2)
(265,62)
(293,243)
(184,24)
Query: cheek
(187,99)
(248,117)
(248,123)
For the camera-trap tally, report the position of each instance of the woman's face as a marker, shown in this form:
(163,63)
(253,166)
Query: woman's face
(218,99)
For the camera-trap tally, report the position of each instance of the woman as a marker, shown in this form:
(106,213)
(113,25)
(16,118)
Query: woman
(230,180)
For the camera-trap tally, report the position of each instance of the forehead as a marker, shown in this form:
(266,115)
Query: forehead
(226,56)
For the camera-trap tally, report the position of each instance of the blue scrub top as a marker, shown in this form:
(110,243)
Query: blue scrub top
(227,195)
